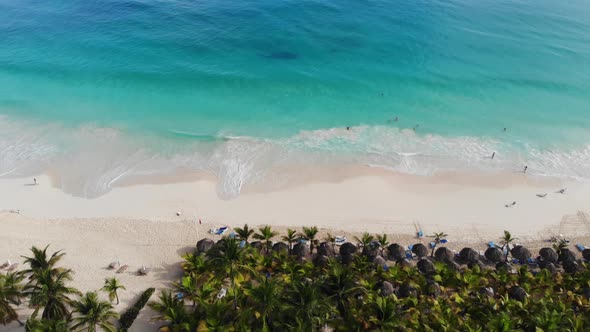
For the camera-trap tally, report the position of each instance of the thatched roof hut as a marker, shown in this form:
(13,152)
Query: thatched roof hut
(517,293)
(521,253)
(443,254)
(494,254)
(469,255)
(348,249)
(395,252)
(548,255)
(301,250)
(386,288)
(425,266)
(420,250)
(205,245)
(326,249)
(280,247)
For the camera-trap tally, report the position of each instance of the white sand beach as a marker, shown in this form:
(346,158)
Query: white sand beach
(138,224)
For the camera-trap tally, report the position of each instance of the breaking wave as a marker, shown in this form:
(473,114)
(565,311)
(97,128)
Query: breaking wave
(89,160)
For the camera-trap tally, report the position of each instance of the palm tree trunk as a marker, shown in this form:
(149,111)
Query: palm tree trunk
(117,297)
(233,286)
(432,252)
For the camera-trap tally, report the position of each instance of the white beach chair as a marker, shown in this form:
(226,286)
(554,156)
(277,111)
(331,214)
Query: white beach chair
(114,265)
(6,264)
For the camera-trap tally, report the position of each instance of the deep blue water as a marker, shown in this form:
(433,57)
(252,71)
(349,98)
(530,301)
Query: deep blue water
(101,90)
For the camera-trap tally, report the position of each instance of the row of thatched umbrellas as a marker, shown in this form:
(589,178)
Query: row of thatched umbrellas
(547,258)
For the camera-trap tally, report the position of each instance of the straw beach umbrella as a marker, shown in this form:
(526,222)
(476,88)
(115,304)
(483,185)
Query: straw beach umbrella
(443,254)
(395,252)
(549,255)
(204,245)
(494,254)
(420,250)
(521,253)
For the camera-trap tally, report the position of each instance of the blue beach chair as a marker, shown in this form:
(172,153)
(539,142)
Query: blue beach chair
(580,247)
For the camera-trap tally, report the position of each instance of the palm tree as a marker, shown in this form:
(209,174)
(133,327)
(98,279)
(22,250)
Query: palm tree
(10,295)
(188,287)
(560,245)
(49,291)
(40,262)
(365,240)
(244,233)
(47,325)
(265,300)
(436,237)
(290,238)
(309,233)
(92,312)
(306,305)
(383,242)
(173,312)
(111,286)
(506,240)
(195,265)
(227,258)
(265,234)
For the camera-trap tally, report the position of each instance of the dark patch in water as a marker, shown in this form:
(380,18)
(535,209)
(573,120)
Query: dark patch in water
(282,56)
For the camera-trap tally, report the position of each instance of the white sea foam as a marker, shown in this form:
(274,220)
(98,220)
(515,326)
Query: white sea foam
(90,160)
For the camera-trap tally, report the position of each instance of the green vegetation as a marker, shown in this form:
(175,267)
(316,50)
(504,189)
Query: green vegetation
(234,287)
(44,287)
(129,316)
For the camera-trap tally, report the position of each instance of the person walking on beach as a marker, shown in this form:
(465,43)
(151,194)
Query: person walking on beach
(525,168)
(35,181)
(493,155)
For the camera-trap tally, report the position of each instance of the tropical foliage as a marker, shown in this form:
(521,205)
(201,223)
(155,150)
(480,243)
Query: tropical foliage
(242,288)
(44,287)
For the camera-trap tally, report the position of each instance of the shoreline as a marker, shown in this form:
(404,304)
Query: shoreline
(137,223)
(354,198)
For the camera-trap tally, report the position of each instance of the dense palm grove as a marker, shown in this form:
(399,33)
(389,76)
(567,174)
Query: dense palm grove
(305,285)
(56,306)
(300,284)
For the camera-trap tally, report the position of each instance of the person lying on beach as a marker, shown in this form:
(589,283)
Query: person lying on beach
(561,191)
(511,204)
(542,195)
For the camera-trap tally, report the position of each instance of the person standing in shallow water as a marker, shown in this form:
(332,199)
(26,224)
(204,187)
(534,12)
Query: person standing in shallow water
(525,168)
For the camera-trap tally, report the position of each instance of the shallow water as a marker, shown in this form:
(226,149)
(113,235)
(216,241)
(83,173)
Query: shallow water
(101,90)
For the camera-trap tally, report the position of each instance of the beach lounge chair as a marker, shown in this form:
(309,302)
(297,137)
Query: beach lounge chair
(432,244)
(114,265)
(6,264)
(142,271)
(420,234)
(580,247)
(443,241)
(409,255)
(179,296)
(242,244)
(213,230)
(122,269)
(491,244)
(222,293)
(340,240)
(221,231)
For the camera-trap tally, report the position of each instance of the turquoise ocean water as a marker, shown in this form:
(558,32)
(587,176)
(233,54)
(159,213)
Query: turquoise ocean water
(99,91)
